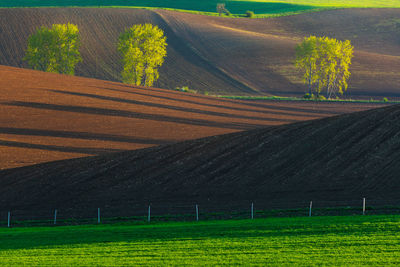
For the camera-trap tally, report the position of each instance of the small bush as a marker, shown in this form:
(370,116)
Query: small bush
(186,89)
(308,96)
(249,14)
(318,97)
(227,13)
(385,99)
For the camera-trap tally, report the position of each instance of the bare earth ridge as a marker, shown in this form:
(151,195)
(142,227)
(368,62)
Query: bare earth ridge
(340,158)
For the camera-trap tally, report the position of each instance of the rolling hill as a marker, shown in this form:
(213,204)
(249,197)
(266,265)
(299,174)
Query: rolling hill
(341,158)
(47,116)
(223,55)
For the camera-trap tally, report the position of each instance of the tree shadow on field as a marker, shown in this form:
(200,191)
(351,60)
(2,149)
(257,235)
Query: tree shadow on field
(80,150)
(83,135)
(209,104)
(137,115)
(288,106)
(176,108)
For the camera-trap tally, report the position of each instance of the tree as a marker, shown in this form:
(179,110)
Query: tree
(143,49)
(54,49)
(306,60)
(250,14)
(325,64)
(221,9)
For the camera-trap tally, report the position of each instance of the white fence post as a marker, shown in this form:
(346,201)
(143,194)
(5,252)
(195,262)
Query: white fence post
(252,211)
(55,217)
(310,209)
(9,220)
(148,215)
(197,212)
(364,206)
(98,215)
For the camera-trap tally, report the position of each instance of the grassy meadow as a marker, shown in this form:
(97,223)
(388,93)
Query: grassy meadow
(262,8)
(344,240)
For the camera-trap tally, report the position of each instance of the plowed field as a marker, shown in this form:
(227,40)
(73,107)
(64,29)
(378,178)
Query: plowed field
(340,158)
(224,55)
(47,117)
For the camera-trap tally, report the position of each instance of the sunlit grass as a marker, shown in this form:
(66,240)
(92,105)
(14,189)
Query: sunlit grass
(350,240)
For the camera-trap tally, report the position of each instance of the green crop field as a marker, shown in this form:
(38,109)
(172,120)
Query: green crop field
(347,240)
(260,7)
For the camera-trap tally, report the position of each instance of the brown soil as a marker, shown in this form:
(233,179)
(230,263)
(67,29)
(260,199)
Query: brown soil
(222,55)
(337,159)
(46,117)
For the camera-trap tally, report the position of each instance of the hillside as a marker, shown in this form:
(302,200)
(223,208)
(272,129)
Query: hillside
(223,55)
(340,159)
(45,116)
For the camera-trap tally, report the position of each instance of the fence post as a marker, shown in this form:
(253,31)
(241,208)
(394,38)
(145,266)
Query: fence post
(55,217)
(310,209)
(148,215)
(364,206)
(98,215)
(252,211)
(9,219)
(197,212)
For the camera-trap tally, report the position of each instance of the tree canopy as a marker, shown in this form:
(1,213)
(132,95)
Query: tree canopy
(143,49)
(54,49)
(325,64)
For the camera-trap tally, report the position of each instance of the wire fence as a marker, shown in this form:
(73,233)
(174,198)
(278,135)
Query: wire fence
(142,213)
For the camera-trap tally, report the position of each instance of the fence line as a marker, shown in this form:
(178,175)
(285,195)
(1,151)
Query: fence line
(193,212)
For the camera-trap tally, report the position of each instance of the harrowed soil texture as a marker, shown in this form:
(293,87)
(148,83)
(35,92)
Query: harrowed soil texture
(47,117)
(336,159)
(223,55)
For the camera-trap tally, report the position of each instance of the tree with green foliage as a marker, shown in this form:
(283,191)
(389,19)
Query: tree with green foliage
(143,49)
(54,49)
(325,64)
(250,14)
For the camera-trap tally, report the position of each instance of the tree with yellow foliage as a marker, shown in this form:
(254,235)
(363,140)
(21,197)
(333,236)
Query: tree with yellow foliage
(325,64)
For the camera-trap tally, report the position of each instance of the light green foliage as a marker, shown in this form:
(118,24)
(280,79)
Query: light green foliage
(54,49)
(325,64)
(249,14)
(186,89)
(143,49)
(302,241)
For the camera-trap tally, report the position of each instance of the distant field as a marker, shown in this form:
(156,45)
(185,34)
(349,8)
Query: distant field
(356,240)
(260,7)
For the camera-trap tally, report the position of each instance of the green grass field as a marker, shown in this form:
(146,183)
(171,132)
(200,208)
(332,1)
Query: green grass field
(347,240)
(260,7)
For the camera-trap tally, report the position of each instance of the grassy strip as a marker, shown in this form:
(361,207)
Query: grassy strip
(282,98)
(348,240)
